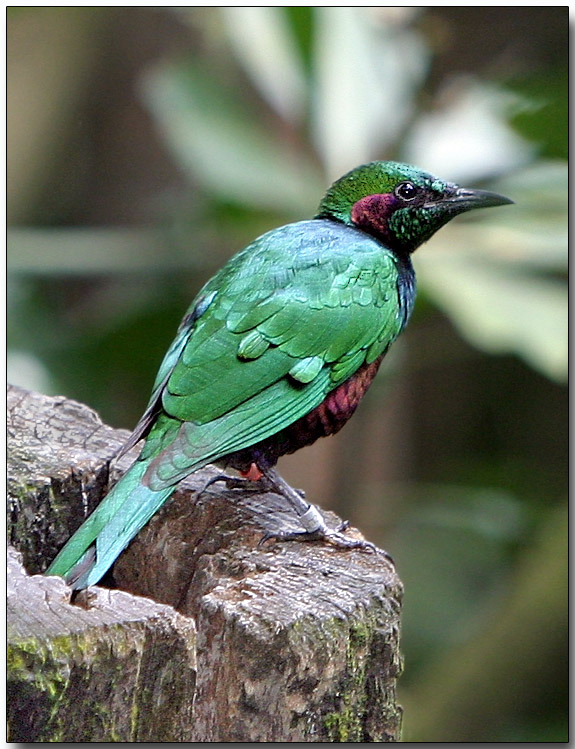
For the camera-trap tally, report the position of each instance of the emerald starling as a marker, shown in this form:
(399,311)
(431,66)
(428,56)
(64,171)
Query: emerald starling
(276,350)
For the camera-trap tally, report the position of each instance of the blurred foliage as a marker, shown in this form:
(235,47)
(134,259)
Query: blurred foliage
(545,118)
(145,146)
(504,283)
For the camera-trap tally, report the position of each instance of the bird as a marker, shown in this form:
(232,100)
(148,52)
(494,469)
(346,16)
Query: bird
(277,350)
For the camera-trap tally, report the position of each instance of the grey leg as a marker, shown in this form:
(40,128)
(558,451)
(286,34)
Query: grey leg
(309,516)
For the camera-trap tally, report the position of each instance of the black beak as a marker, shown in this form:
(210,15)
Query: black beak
(462,199)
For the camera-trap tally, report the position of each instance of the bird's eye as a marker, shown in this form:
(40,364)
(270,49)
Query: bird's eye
(406,191)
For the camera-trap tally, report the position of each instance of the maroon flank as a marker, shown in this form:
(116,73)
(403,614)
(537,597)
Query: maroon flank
(327,418)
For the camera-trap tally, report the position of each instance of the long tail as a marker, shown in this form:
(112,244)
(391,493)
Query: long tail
(112,525)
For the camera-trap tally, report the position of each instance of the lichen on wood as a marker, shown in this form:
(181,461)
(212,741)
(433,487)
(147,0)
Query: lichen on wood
(80,674)
(208,636)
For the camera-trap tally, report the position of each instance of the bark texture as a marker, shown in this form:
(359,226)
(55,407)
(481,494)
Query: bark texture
(207,636)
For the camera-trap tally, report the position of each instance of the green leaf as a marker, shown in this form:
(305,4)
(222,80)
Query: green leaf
(367,70)
(499,276)
(215,140)
(502,311)
(265,47)
(466,135)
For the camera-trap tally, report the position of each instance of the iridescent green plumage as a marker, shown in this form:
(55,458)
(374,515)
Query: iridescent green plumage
(311,304)
(277,349)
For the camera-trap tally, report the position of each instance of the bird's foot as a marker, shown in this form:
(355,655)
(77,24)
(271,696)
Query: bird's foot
(311,520)
(231,482)
(334,537)
(359,544)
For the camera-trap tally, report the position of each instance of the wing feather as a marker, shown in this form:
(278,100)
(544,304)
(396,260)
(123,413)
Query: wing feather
(314,298)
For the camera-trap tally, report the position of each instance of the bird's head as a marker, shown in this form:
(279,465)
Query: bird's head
(400,204)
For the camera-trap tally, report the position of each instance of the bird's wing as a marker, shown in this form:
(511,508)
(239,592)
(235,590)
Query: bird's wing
(170,360)
(288,320)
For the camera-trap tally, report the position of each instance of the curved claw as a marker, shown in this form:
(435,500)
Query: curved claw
(231,482)
(338,539)
(292,536)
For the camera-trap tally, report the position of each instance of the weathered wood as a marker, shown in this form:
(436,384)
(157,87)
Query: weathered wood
(295,641)
(97,673)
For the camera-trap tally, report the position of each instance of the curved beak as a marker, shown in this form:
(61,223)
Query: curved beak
(462,199)
(468,199)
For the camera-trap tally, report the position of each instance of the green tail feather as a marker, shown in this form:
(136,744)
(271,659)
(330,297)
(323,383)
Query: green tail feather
(112,525)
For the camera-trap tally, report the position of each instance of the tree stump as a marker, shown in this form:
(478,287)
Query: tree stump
(201,634)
